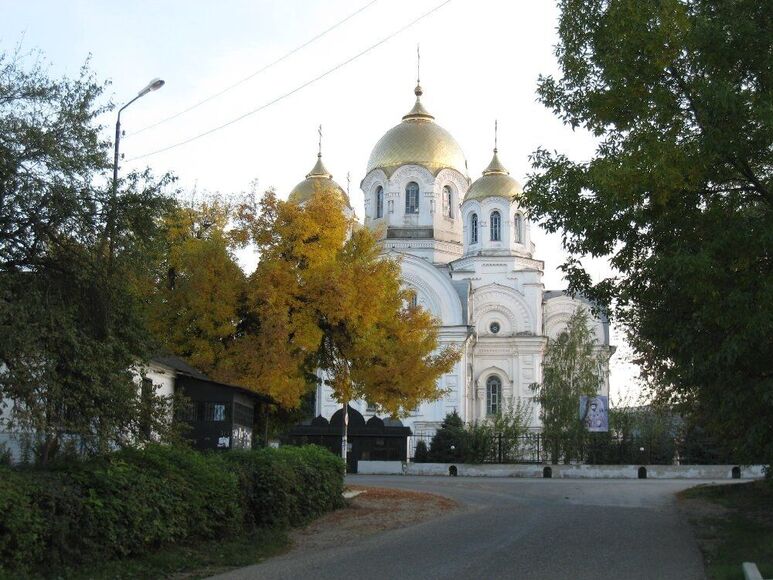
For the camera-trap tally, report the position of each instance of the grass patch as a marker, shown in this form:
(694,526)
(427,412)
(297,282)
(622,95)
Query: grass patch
(733,524)
(188,562)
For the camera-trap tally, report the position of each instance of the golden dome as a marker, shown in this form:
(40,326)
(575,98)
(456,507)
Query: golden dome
(318,179)
(418,140)
(495,182)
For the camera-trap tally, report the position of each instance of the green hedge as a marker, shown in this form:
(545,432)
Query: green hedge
(289,485)
(135,501)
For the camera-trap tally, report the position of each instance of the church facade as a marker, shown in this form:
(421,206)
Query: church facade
(466,252)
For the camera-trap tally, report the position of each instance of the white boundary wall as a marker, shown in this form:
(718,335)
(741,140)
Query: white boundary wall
(561,471)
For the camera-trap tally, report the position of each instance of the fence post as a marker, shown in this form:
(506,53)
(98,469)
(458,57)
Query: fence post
(499,447)
(539,453)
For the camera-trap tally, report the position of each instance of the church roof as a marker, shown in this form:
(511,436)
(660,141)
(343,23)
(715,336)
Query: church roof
(318,179)
(495,182)
(417,140)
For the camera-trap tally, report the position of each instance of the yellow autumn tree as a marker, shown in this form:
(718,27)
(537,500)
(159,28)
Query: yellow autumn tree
(195,307)
(323,300)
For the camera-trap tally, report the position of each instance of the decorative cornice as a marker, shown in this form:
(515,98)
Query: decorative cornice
(397,244)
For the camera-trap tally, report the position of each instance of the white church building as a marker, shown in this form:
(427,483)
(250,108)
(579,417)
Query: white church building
(466,251)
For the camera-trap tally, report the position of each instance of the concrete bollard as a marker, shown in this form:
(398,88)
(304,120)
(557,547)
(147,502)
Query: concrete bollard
(751,572)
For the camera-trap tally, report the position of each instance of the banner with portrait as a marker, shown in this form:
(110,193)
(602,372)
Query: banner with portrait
(594,413)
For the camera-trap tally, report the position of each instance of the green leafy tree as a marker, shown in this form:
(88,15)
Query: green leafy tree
(678,93)
(637,434)
(71,315)
(511,425)
(569,370)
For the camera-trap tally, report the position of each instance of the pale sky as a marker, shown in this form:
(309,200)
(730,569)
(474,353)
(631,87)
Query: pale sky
(480,60)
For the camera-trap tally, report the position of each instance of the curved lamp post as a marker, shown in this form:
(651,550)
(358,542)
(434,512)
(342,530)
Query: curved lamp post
(153,85)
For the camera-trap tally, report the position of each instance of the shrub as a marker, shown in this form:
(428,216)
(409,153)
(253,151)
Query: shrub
(421,454)
(479,443)
(287,486)
(447,443)
(22,524)
(134,501)
(495,438)
(6,457)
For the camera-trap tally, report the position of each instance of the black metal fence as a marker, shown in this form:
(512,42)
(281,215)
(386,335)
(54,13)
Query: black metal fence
(592,449)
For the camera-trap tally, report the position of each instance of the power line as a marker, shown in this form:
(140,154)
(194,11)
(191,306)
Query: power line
(257,72)
(296,89)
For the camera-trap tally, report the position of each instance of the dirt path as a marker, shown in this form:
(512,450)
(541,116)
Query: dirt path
(375,510)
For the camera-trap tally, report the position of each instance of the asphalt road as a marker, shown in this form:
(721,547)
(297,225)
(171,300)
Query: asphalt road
(517,528)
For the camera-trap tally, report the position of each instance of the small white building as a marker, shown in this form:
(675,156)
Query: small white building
(466,251)
(220,416)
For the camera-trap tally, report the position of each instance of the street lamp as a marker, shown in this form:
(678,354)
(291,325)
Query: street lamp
(153,85)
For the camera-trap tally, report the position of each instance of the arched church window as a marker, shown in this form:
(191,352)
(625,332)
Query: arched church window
(474,228)
(412,197)
(379,202)
(518,221)
(496,226)
(493,395)
(448,198)
(413,301)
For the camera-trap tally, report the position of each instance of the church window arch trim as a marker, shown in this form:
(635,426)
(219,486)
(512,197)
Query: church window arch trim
(412,198)
(413,299)
(518,225)
(496,226)
(448,201)
(379,202)
(474,228)
(493,395)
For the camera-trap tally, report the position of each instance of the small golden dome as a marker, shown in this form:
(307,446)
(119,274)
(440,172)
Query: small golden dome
(418,140)
(318,179)
(495,182)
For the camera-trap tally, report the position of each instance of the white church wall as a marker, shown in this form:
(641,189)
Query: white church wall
(369,186)
(447,219)
(435,287)
(504,303)
(397,184)
(520,240)
(446,242)
(487,207)
(532,289)
(515,239)
(468,209)
(517,363)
